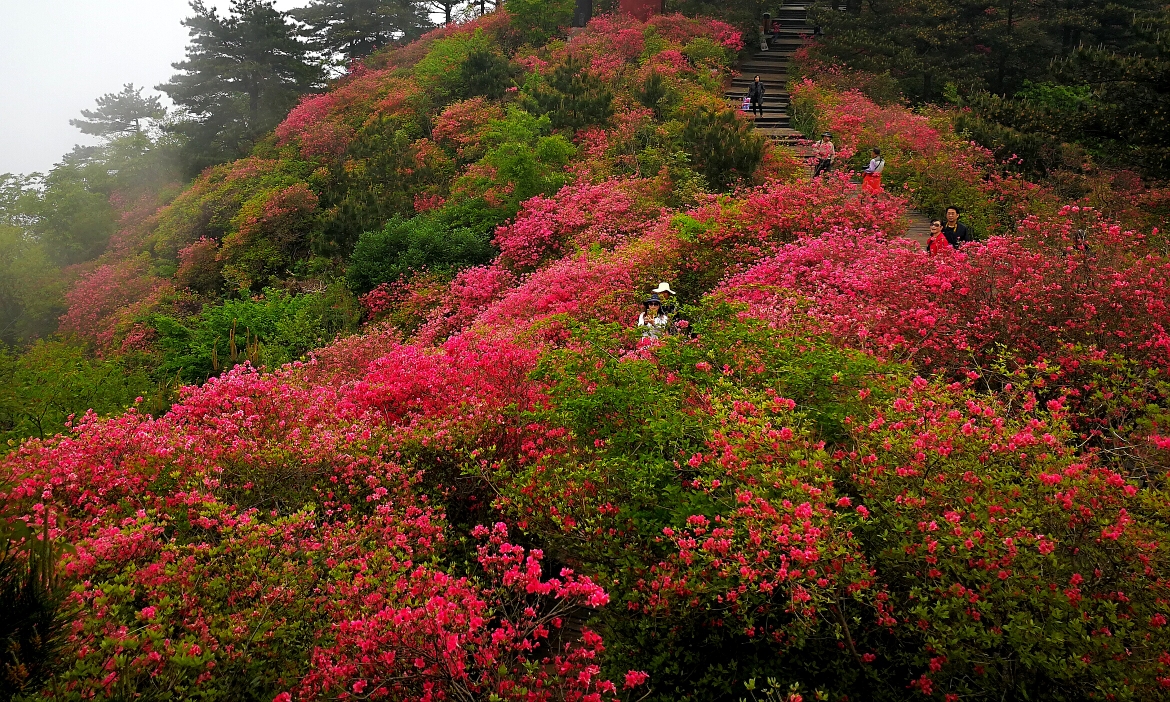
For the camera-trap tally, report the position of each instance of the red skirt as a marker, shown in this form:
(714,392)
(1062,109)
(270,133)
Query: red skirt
(871,183)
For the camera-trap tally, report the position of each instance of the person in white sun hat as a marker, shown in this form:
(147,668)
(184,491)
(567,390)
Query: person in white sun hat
(664,292)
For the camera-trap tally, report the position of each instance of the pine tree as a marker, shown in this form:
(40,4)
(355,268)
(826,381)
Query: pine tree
(571,97)
(990,45)
(118,114)
(243,73)
(447,7)
(354,28)
(1128,117)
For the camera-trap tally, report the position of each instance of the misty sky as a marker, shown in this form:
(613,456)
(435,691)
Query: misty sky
(56,56)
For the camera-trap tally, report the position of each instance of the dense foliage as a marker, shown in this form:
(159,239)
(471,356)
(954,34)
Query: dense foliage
(404,169)
(1057,85)
(855,468)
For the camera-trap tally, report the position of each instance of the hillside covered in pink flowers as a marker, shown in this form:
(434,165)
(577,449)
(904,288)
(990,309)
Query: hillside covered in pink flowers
(435,459)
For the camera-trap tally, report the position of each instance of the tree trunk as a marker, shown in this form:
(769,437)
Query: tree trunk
(582,13)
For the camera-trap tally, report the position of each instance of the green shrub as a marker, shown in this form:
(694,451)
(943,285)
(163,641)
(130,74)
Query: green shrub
(705,52)
(487,74)
(723,148)
(421,243)
(441,71)
(653,93)
(539,20)
(570,96)
(41,388)
(378,181)
(270,330)
(521,160)
(802,110)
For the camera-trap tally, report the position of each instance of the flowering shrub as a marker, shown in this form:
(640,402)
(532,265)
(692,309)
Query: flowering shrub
(726,235)
(309,123)
(924,157)
(944,310)
(99,301)
(209,206)
(770,490)
(1009,560)
(578,215)
(269,231)
(468,294)
(464,640)
(199,267)
(681,29)
(462,125)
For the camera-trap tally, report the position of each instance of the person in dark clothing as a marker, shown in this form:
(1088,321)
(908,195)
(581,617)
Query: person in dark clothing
(756,95)
(955,231)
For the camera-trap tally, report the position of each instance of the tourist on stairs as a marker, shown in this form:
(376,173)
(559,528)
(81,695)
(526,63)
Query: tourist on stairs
(756,95)
(823,151)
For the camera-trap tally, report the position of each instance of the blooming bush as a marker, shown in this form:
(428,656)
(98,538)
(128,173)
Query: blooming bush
(199,267)
(1009,560)
(466,640)
(269,230)
(947,310)
(577,217)
(103,299)
(462,500)
(924,157)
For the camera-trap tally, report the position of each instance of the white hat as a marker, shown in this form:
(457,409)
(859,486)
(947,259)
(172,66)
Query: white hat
(664,287)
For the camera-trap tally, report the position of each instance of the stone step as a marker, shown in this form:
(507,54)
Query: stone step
(739,95)
(737,100)
(774,55)
(772,122)
(770,81)
(746,72)
(768,76)
(768,114)
(784,133)
(784,52)
(768,104)
(771,57)
(750,69)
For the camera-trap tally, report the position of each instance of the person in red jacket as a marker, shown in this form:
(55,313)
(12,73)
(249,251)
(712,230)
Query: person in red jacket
(937,241)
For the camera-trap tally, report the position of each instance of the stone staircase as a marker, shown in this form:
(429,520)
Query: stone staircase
(791,28)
